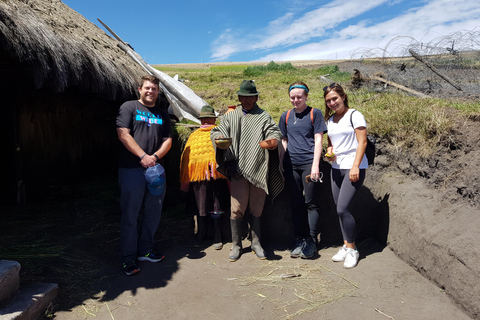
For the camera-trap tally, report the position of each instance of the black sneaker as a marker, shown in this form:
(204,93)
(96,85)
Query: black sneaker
(151,257)
(131,268)
(308,249)
(297,248)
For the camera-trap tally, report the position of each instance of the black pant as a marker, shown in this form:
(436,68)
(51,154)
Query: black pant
(304,198)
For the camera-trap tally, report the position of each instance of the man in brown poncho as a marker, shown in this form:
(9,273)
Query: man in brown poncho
(253,171)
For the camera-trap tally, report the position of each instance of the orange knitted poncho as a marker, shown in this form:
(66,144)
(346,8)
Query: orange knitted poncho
(198,158)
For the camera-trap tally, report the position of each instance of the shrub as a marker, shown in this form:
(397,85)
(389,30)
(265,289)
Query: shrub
(255,71)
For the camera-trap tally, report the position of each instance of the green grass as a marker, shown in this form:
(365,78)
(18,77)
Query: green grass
(255,71)
(231,68)
(402,120)
(466,107)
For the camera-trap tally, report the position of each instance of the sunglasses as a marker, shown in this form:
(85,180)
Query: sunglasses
(332,85)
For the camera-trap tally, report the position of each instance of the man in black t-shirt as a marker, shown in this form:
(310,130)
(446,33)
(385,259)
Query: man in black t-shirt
(145,133)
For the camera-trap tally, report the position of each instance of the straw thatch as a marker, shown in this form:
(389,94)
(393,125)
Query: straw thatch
(60,48)
(62,80)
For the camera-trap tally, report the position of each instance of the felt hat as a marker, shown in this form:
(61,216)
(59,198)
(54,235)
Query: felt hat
(207,112)
(156,179)
(248,89)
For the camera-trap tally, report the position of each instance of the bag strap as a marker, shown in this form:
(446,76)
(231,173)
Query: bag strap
(288,115)
(286,118)
(351,122)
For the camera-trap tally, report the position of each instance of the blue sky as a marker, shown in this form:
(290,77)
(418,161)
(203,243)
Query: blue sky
(194,31)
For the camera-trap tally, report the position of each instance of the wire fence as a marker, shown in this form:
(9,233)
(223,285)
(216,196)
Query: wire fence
(445,66)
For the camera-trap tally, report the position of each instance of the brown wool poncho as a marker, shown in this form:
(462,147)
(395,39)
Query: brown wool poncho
(260,167)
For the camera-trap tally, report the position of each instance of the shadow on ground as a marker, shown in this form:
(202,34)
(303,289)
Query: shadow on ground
(72,239)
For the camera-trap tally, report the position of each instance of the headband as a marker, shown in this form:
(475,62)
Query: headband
(298,86)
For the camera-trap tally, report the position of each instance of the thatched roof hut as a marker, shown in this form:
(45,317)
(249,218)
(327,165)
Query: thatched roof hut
(62,80)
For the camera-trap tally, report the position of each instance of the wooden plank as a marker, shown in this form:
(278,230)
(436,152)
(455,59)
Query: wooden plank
(399,86)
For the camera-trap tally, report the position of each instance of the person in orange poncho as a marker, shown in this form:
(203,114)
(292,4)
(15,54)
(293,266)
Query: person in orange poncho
(208,189)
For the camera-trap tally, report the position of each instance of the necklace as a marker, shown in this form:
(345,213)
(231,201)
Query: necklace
(295,114)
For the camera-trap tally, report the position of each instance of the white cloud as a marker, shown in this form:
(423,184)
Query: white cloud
(290,30)
(426,22)
(225,46)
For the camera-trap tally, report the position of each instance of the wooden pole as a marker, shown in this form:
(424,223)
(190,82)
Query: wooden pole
(441,75)
(399,86)
(183,100)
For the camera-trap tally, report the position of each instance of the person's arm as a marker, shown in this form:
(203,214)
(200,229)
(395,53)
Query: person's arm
(151,160)
(216,132)
(320,128)
(129,142)
(330,150)
(282,151)
(283,130)
(164,148)
(145,159)
(317,154)
(361,134)
(273,132)
(166,142)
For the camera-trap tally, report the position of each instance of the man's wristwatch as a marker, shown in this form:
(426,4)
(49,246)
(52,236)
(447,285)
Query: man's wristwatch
(156,156)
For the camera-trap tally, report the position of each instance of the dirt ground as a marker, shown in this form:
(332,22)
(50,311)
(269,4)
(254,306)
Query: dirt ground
(79,226)
(205,285)
(201,282)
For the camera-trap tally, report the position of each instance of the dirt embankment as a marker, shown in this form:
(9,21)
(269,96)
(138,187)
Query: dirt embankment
(432,207)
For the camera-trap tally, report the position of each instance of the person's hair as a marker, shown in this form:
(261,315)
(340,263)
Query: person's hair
(338,89)
(150,78)
(299,85)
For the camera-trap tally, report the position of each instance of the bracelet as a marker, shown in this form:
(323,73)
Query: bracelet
(156,156)
(142,156)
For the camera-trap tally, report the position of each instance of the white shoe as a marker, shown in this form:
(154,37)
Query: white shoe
(351,259)
(341,254)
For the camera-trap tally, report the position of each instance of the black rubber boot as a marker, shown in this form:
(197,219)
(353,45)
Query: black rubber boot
(256,246)
(217,237)
(236,226)
(201,231)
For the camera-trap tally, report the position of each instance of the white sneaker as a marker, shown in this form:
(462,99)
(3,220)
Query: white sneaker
(341,254)
(351,259)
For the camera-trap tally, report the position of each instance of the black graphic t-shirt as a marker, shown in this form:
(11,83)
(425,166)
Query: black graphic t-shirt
(148,126)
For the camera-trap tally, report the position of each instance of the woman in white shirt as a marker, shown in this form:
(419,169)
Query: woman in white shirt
(347,141)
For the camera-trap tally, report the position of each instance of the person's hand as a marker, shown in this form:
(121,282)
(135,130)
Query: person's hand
(315,174)
(330,155)
(354,174)
(148,161)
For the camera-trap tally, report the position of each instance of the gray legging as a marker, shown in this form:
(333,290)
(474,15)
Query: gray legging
(343,191)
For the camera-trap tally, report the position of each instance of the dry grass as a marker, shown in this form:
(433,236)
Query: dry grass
(67,238)
(295,287)
(406,122)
